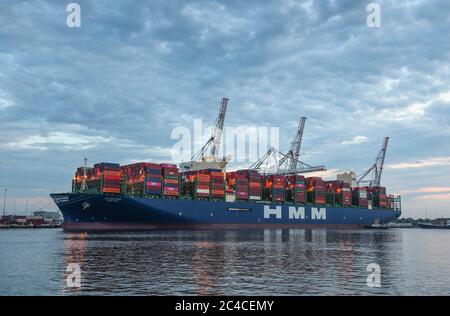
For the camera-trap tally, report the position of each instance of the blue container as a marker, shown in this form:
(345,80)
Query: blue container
(171,185)
(154,180)
(153,192)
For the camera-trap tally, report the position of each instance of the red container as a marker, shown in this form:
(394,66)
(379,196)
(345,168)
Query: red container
(111,190)
(168,165)
(153,185)
(152,165)
(347,197)
(203,177)
(242,195)
(218,193)
(299,197)
(171,181)
(170,191)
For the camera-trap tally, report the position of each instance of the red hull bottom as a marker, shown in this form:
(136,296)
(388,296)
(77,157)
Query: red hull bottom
(82,227)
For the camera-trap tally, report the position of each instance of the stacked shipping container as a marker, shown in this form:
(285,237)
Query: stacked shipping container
(171,180)
(237,182)
(218,185)
(295,189)
(143,178)
(241,187)
(278,184)
(315,187)
(339,192)
(105,178)
(78,178)
(254,183)
(378,196)
(204,184)
(153,179)
(359,197)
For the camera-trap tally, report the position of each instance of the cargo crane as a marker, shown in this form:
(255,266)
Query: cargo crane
(272,152)
(290,163)
(294,153)
(301,167)
(200,161)
(376,169)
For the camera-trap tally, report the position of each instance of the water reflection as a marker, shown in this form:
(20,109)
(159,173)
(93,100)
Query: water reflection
(207,264)
(75,246)
(270,262)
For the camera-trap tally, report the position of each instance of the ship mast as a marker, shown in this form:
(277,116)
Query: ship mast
(84,182)
(4,203)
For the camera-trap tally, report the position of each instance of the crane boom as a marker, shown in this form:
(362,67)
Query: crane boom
(218,127)
(301,166)
(288,163)
(296,145)
(380,161)
(201,160)
(257,165)
(376,169)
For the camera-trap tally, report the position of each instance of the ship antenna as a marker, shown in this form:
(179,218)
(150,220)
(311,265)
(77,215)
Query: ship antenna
(84,183)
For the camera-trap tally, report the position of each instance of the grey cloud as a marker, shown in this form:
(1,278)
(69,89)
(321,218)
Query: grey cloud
(136,69)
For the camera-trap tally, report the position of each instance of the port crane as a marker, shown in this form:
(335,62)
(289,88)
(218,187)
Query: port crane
(294,153)
(288,163)
(262,164)
(201,160)
(376,169)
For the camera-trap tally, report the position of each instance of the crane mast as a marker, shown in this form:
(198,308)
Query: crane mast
(201,161)
(218,127)
(296,144)
(288,163)
(376,169)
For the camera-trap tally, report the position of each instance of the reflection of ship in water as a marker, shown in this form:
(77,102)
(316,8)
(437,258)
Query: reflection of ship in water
(256,262)
(328,261)
(324,261)
(207,264)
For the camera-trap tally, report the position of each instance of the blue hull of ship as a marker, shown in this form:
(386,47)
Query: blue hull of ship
(83,212)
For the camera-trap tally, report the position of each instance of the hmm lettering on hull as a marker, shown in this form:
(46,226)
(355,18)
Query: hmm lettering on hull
(318,213)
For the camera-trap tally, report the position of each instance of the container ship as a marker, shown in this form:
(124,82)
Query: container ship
(201,194)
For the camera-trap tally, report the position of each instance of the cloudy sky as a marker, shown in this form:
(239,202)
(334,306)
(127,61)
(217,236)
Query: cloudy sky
(115,88)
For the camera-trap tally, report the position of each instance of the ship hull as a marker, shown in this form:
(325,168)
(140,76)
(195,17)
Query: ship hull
(83,212)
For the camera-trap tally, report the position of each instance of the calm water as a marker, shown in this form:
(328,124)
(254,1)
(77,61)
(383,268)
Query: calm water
(261,262)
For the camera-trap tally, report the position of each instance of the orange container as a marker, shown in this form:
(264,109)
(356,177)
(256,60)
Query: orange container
(112,173)
(203,178)
(171,181)
(111,190)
